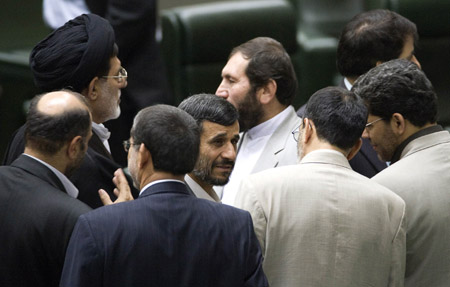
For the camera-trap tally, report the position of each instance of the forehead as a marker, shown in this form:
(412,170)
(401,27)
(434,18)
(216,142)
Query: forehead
(235,66)
(408,47)
(210,130)
(114,65)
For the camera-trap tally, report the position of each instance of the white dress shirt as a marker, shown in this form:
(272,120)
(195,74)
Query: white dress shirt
(103,133)
(199,191)
(251,147)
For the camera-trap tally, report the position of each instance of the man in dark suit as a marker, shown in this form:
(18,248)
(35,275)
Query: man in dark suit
(82,55)
(135,26)
(367,40)
(166,237)
(38,209)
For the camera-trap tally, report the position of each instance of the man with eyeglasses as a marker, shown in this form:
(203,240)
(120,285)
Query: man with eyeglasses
(319,223)
(82,56)
(402,129)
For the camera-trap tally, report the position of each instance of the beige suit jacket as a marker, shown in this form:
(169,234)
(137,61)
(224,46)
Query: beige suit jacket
(422,178)
(320,223)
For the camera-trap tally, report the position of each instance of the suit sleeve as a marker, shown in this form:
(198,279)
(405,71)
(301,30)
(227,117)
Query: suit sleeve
(254,274)
(398,260)
(246,199)
(82,265)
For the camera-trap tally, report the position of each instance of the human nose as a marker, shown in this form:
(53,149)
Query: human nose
(222,91)
(229,152)
(365,134)
(415,61)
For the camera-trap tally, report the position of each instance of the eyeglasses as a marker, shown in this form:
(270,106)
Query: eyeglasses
(123,75)
(127,144)
(369,125)
(296,133)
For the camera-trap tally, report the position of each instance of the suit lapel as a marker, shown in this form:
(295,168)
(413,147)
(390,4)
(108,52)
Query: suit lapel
(96,144)
(39,170)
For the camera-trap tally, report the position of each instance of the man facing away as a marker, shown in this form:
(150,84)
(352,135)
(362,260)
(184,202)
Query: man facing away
(219,135)
(166,237)
(38,209)
(82,55)
(259,80)
(319,222)
(367,40)
(402,129)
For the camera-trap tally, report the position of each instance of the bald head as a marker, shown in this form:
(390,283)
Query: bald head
(56,118)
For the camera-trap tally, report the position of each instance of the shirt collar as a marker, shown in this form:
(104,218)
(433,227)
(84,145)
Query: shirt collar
(347,84)
(199,191)
(159,181)
(71,190)
(421,133)
(268,127)
(101,131)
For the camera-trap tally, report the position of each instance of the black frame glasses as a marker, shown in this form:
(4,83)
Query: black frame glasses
(127,144)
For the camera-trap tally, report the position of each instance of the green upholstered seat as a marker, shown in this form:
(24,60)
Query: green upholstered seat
(197,39)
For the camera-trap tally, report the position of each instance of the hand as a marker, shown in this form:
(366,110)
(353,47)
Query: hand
(122,190)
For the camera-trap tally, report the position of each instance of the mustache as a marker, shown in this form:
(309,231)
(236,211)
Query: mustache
(224,162)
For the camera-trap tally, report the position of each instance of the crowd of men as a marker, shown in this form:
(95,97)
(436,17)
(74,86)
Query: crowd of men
(234,188)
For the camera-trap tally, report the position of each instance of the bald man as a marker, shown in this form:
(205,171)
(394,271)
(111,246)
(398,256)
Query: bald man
(38,205)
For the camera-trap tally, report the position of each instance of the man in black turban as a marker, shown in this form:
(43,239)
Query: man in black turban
(81,55)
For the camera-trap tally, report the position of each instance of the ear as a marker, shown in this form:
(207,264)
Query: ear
(398,123)
(144,157)
(308,130)
(354,150)
(92,89)
(268,92)
(74,147)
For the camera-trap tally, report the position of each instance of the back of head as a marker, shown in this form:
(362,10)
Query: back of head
(72,55)
(338,115)
(171,135)
(376,35)
(269,60)
(53,123)
(398,86)
(208,107)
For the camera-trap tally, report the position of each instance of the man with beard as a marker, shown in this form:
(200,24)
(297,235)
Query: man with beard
(82,56)
(166,237)
(259,80)
(219,135)
(402,129)
(319,223)
(38,205)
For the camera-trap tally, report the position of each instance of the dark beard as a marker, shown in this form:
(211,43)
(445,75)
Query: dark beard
(203,170)
(250,112)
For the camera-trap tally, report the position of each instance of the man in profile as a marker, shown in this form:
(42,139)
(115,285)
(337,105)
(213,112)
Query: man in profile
(260,81)
(38,205)
(367,40)
(219,135)
(82,55)
(402,129)
(319,222)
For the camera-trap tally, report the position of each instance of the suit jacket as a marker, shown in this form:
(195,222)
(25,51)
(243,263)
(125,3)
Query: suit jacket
(96,170)
(366,161)
(422,178)
(321,224)
(166,237)
(36,220)
(281,149)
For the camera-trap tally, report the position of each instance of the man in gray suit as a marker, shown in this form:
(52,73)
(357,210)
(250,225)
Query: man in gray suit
(319,223)
(259,80)
(402,129)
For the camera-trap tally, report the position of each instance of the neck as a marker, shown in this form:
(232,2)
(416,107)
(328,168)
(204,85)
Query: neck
(411,129)
(318,145)
(159,175)
(206,187)
(271,110)
(56,160)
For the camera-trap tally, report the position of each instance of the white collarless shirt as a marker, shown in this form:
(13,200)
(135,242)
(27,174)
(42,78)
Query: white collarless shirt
(251,148)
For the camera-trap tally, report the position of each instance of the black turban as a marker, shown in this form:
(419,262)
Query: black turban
(72,55)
